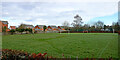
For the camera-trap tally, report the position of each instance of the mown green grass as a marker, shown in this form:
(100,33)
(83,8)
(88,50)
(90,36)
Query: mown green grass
(91,45)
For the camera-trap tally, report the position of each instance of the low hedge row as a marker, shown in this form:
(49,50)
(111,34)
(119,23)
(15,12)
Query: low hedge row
(8,54)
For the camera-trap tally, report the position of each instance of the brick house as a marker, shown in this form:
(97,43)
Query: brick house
(39,27)
(4,24)
(52,29)
(13,27)
(25,26)
(61,28)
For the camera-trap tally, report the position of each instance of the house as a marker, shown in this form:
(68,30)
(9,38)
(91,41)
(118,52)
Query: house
(61,28)
(4,24)
(39,28)
(12,27)
(26,26)
(52,28)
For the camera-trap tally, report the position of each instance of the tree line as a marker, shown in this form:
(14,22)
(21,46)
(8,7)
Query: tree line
(97,26)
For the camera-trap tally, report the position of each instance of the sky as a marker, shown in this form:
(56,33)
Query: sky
(55,13)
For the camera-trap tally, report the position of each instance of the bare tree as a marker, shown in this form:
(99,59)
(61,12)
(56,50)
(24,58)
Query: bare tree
(77,22)
(66,24)
(86,26)
(99,24)
(113,25)
(116,26)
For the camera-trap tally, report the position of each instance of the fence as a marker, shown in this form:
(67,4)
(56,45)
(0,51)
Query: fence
(90,32)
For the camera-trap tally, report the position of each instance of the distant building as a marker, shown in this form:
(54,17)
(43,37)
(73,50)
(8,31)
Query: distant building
(61,28)
(13,27)
(52,28)
(26,26)
(39,28)
(4,24)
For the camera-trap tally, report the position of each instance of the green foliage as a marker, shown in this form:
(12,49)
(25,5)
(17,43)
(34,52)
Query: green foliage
(20,30)
(4,29)
(44,27)
(12,31)
(117,27)
(30,30)
(17,29)
(26,29)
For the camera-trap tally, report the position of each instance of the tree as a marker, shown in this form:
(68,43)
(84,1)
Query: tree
(12,31)
(21,30)
(77,23)
(22,26)
(86,26)
(113,25)
(4,29)
(17,29)
(116,26)
(99,25)
(92,28)
(105,27)
(30,30)
(26,30)
(44,28)
(66,24)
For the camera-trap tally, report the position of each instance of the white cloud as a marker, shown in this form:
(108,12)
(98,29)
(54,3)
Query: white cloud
(54,13)
(60,0)
(62,9)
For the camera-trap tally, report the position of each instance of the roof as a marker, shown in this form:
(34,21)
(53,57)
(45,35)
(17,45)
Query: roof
(53,26)
(61,27)
(27,26)
(40,26)
(5,22)
(13,27)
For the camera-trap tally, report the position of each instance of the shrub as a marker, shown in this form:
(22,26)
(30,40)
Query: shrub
(12,31)
(21,55)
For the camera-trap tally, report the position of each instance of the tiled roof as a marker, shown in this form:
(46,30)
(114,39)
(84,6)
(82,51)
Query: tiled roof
(62,27)
(41,26)
(53,26)
(28,26)
(13,27)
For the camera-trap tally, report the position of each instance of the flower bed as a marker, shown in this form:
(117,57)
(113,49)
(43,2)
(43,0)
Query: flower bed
(9,54)
(21,55)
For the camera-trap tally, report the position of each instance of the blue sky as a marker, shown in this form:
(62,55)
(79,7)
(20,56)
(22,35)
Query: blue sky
(55,13)
(108,20)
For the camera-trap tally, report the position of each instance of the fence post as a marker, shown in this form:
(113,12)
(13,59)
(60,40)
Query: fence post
(70,57)
(76,57)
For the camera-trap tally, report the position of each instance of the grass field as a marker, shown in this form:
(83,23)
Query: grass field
(73,44)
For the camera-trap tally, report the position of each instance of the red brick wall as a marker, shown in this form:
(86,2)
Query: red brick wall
(3,25)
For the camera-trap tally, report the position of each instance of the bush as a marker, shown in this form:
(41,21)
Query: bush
(21,55)
(12,31)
